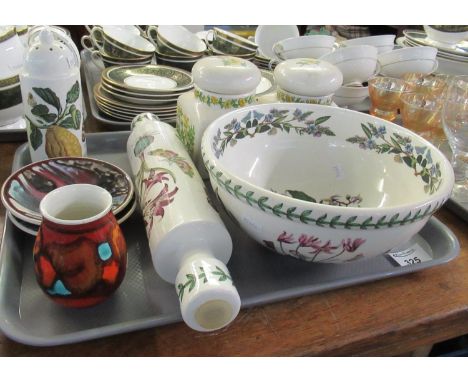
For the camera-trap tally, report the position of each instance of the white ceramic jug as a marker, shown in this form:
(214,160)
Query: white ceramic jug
(52,95)
(188,241)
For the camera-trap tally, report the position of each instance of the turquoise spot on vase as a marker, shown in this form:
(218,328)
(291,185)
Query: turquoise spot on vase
(105,251)
(59,289)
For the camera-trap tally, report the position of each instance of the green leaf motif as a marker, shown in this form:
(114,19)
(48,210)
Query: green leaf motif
(67,123)
(73,93)
(49,96)
(335,220)
(350,222)
(321,221)
(262,202)
(366,223)
(35,138)
(321,120)
(76,116)
(301,196)
(40,110)
(191,281)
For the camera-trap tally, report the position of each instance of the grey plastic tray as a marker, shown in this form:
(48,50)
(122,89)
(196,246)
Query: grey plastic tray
(144,300)
(13,133)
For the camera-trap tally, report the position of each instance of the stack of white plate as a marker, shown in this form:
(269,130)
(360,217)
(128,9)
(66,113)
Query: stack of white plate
(453,58)
(126,91)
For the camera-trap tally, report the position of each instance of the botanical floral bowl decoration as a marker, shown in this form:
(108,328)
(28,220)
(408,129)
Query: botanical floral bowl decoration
(324,184)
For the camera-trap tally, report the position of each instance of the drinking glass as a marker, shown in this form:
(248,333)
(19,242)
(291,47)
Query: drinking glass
(385,95)
(425,83)
(422,113)
(455,124)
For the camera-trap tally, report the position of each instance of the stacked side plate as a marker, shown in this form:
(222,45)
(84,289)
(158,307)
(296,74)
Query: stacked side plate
(126,91)
(23,191)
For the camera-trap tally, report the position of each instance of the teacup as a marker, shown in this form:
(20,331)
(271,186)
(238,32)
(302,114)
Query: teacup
(350,95)
(176,39)
(313,46)
(80,254)
(99,57)
(357,63)
(233,38)
(229,47)
(383,43)
(420,59)
(118,42)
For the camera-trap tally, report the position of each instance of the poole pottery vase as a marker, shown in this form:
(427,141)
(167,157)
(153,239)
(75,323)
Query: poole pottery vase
(80,254)
(188,241)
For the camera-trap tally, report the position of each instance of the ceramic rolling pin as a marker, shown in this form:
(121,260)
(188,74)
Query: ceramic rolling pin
(188,241)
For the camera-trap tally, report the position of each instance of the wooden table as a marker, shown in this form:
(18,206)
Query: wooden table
(388,317)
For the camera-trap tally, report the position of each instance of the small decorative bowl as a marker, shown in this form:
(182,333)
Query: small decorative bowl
(350,95)
(417,59)
(383,43)
(357,63)
(324,184)
(304,47)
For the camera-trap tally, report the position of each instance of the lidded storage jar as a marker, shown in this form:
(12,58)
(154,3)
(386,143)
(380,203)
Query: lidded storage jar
(222,84)
(307,80)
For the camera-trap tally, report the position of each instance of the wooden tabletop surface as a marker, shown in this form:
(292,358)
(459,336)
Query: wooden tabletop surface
(387,317)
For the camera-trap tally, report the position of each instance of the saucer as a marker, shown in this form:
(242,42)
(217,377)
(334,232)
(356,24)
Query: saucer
(23,191)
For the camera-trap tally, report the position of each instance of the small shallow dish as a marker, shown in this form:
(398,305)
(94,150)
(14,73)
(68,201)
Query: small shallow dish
(148,78)
(418,59)
(313,46)
(23,191)
(369,186)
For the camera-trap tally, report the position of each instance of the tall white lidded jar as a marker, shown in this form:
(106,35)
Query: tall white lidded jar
(52,96)
(222,84)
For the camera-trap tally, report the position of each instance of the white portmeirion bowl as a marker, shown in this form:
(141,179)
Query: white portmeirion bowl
(418,59)
(357,63)
(324,184)
(304,47)
(383,43)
